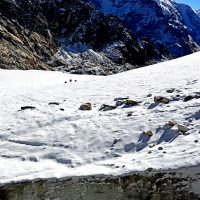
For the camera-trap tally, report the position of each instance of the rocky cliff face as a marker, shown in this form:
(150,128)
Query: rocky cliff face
(70,36)
(138,186)
(174,25)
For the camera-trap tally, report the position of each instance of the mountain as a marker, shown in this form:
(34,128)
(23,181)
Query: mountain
(44,133)
(70,36)
(174,25)
(94,37)
(198,12)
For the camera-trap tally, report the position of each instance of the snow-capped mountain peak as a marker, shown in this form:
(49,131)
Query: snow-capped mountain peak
(174,25)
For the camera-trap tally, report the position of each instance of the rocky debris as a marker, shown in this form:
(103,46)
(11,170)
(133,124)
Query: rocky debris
(182,128)
(129,114)
(188,98)
(196,95)
(62,109)
(148,133)
(116,140)
(86,106)
(172,123)
(196,141)
(149,95)
(116,155)
(171,90)
(106,107)
(129,103)
(121,98)
(53,103)
(152,145)
(28,108)
(160,148)
(161,99)
(119,103)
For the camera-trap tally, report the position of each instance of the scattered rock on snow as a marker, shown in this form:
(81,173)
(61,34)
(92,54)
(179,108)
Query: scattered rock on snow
(160,148)
(149,95)
(182,128)
(188,98)
(121,98)
(54,103)
(129,114)
(129,102)
(116,155)
(86,106)
(148,133)
(171,90)
(152,145)
(160,99)
(119,103)
(28,108)
(105,107)
(172,123)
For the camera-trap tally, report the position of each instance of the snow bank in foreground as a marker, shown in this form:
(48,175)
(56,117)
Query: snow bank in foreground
(56,139)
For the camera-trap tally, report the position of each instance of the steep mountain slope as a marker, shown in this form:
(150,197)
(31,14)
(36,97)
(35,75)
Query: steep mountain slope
(176,26)
(43,133)
(70,36)
(198,12)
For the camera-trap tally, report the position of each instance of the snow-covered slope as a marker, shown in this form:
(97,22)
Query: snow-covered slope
(176,26)
(57,139)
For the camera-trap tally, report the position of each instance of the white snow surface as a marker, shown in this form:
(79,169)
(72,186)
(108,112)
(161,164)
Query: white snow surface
(48,142)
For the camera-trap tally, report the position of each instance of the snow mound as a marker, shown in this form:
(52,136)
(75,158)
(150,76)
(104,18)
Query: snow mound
(51,137)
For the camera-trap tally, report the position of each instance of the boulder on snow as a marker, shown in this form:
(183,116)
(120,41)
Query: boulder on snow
(182,128)
(28,108)
(172,123)
(105,107)
(149,95)
(119,103)
(171,90)
(53,103)
(148,133)
(130,103)
(86,106)
(160,99)
(188,98)
(121,98)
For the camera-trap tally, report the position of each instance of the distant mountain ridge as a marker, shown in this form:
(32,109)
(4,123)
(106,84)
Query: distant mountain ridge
(176,26)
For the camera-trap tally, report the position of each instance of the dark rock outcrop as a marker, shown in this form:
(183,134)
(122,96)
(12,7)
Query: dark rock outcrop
(69,36)
(148,185)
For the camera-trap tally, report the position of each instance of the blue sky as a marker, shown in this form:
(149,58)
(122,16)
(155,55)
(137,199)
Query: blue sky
(193,3)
